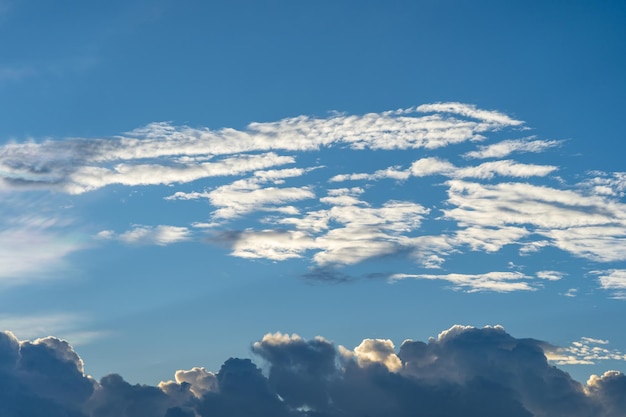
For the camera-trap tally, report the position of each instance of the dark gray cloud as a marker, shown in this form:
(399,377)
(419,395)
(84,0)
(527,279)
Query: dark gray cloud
(41,378)
(464,371)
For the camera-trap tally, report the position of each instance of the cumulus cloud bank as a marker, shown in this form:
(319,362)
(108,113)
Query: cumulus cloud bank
(463,371)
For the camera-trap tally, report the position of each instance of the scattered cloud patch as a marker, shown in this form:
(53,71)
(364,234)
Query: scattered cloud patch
(586,351)
(613,280)
(270,192)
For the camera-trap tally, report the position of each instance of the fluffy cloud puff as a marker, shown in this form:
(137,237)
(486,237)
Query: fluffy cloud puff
(464,371)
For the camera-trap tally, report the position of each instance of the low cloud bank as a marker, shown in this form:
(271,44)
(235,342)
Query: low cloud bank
(464,371)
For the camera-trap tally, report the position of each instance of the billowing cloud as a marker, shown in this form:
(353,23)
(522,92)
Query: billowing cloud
(41,378)
(463,371)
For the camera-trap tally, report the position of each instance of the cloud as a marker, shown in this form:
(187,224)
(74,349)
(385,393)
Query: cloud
(472,111)
(70,326)
(507,147)
(490,281)
(613,280)
(586,351)
(602,183)
(550,275)
(184,154)
(91,178)
(270,192)
(32,253)
(362,232)
(463,371)
(247,195)
(198,380)
(34,240)
(157,235)
(41,378)
(435,166)
(377,351)
(591,227)
(608,390)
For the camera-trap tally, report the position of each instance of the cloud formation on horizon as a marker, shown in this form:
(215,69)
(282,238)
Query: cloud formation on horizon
(464,370)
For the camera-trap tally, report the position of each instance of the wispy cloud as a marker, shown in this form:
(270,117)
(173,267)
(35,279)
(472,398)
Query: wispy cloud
(80,165)
(70,326)
(34,242)
(262,179)
(507,147)
(145,235)
(247,195)
(435,166)
(490,281)
(591,227)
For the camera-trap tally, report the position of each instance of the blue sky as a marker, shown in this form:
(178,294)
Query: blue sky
(179,179)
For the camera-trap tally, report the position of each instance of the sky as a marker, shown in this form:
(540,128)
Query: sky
(200,201)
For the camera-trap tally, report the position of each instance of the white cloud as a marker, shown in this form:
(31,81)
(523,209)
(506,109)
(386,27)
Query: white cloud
(436,166)
(587,226)
(469,110)
(271,244)
(550,275)
(161,153)
(377,351)
(33,253)
(35,240)
(199,379)
(613,280)
(347,233)
(572,292)
(431,166)
(586,351)
(336,227)
(247,195)
(489,239)
(91,178)
(157,235)
(608,184)
(490,281)
(506,168)
(507,147)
